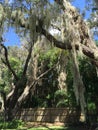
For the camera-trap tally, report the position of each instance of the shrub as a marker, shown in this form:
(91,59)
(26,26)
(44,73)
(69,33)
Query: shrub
(15,124)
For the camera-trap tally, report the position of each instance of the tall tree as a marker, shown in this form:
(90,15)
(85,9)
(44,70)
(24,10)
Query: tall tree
(34,19)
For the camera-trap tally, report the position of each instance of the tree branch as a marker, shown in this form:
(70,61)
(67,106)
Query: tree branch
(27,90)
(6,61)
(88,51)
(27,60)
(44,73)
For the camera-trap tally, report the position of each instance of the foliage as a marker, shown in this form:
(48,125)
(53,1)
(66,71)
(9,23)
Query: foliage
(50,56)
(91,107)
(15,63)
(61,98)
(15,124)
(6,80)
(6,75)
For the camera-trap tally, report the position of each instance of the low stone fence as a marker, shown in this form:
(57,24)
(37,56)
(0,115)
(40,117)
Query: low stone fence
(51,115)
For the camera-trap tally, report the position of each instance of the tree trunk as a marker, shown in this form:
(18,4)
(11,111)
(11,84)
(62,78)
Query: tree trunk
(13,98)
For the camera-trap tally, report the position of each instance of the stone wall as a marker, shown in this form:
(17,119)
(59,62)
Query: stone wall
(51,115)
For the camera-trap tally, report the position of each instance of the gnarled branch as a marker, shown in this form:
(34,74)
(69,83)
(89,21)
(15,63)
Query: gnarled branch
(6,61)
(87,47)
(27,60)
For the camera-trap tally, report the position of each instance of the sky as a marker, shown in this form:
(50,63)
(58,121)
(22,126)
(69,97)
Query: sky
(11,38)
(81,5)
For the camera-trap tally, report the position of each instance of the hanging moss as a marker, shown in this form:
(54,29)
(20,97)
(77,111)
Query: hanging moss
(1,13)
(72,33)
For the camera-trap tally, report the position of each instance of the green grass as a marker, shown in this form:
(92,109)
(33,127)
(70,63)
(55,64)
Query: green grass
(53,128)
(48,128)
(19,125)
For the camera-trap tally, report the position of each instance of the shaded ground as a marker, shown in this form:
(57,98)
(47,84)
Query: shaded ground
(55,126)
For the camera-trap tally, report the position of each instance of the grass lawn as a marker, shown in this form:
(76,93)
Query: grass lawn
(48,128)
(54,128)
